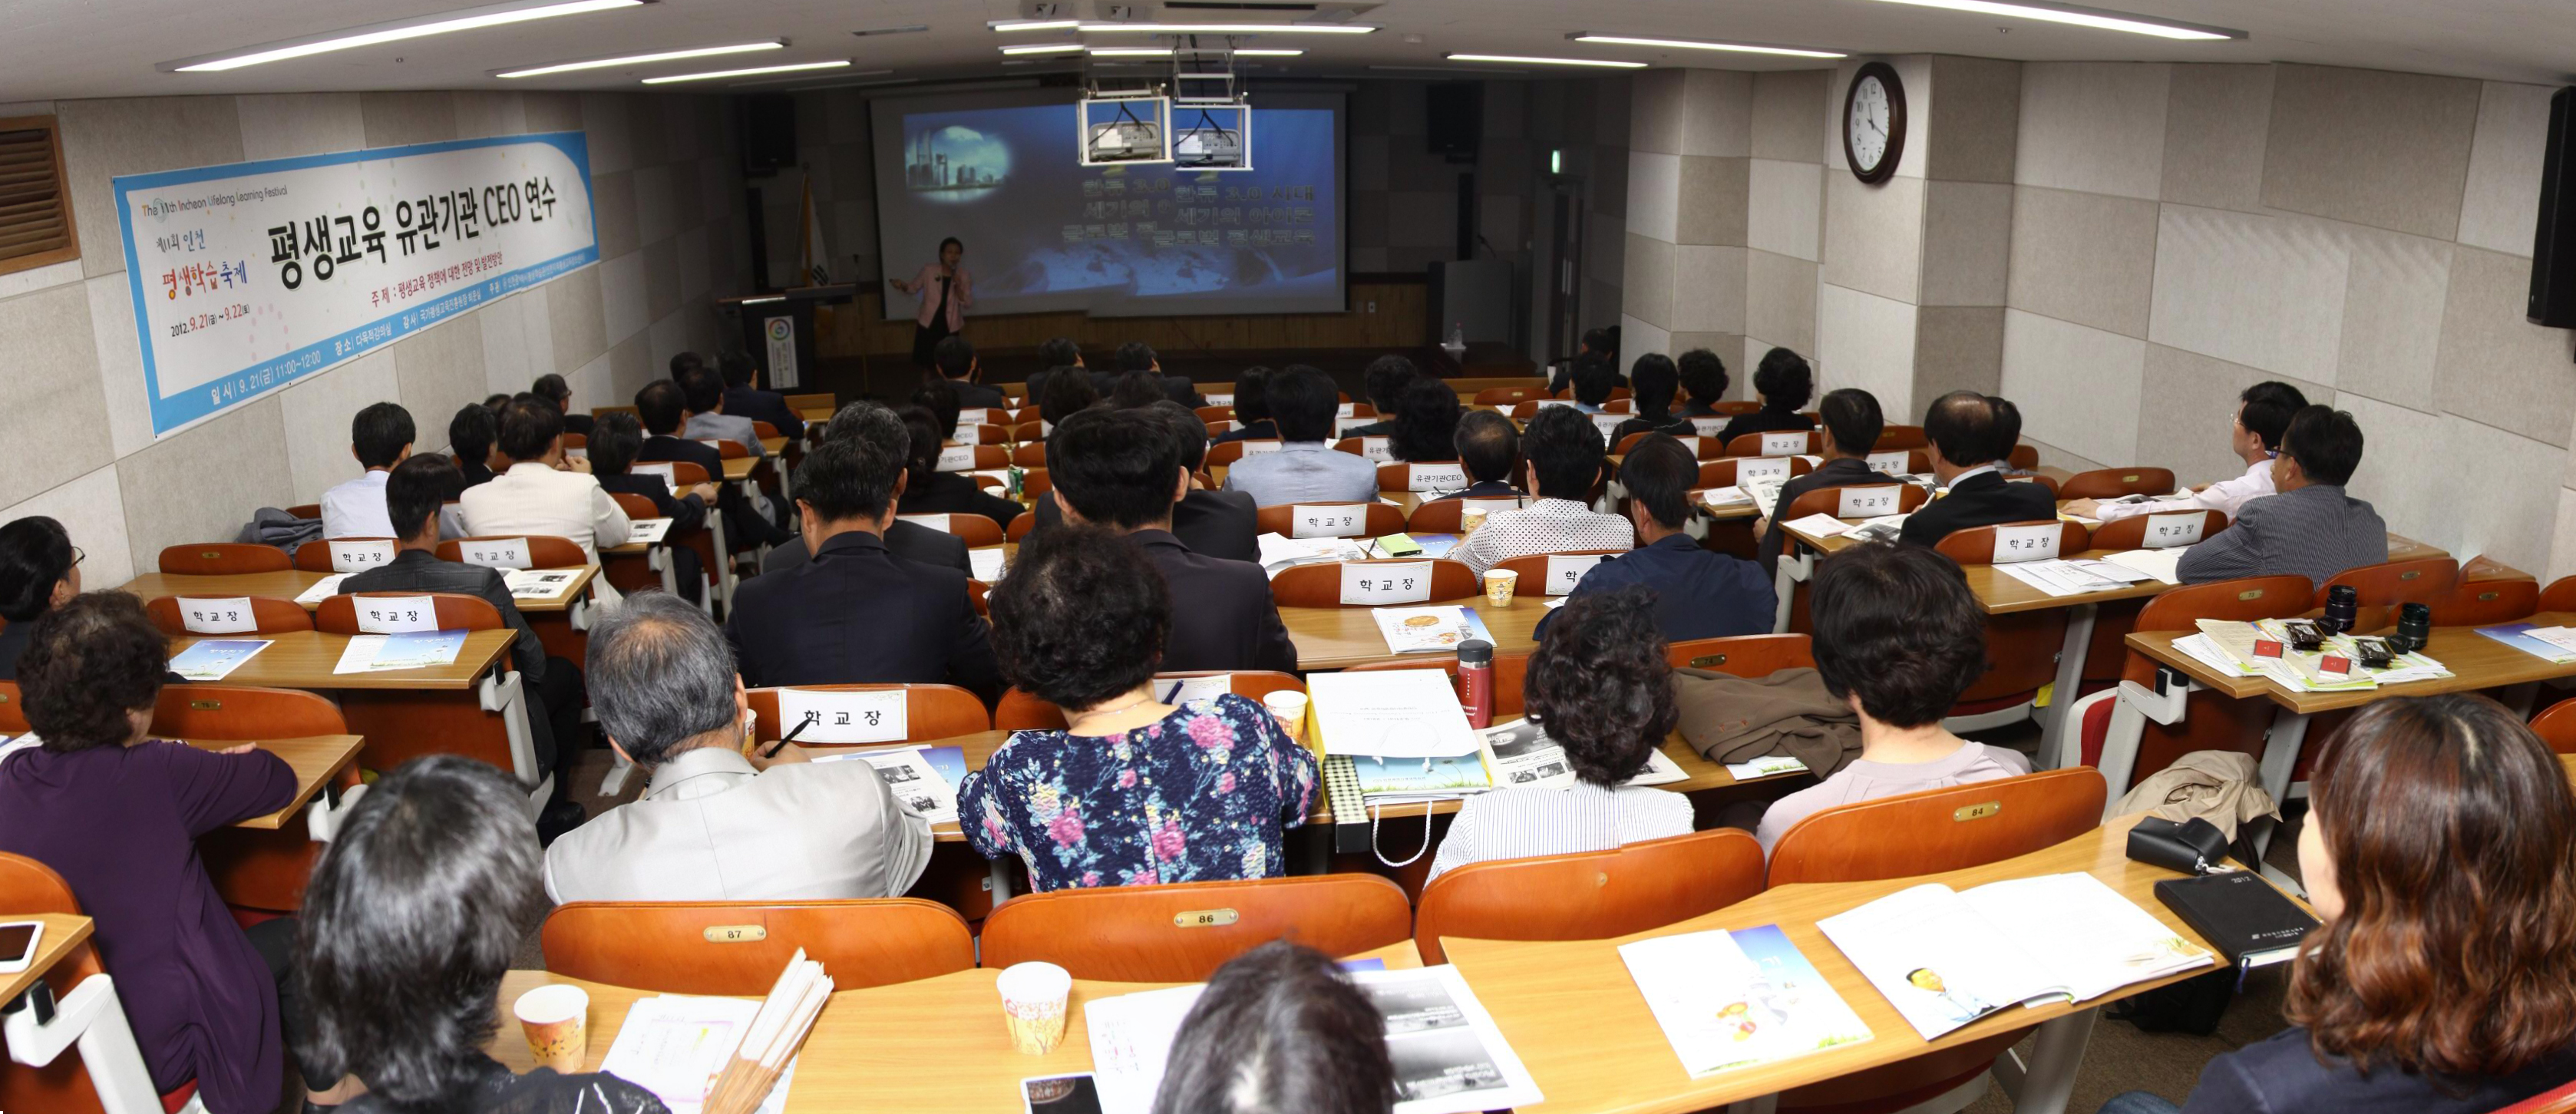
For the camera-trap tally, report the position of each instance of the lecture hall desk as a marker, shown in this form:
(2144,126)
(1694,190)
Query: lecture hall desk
(317,761)
(66,931)
(303,660)
(294,582)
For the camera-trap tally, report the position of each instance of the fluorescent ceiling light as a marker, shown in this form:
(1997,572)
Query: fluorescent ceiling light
(1045,48)
(831,65)
(811,81)
(2084,17)
(1234,28)
(1006,26)
(1689,44)
(1525,60)
(396,31)
(1130,52)
(1268,52)
(640,59)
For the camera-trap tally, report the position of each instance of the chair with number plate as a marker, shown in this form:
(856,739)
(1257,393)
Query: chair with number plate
(1753,444)
(2112,483)
(63,1065)
(543,551)
(2477,603)
(1184,932)
(202,616)
(1030,453)
(737,947)
(487,722)
(1320,585)
(222,559)
(975,530)
(1590,895)
(2210,721)
(929,712)
(1500,397)
(2108,651)
(1330,520)
(1703,448)
(1510,670)
(1555,574)
(2021,647)
(1868,499)
(1397,475)
(1215,414)
(634,572)
(1020,711)
(2395,582)
(1441,516)
(1902,437)
(1744,655)
(1925,833)
(1722,472)
(344,554)
(1225,453)
(259,870)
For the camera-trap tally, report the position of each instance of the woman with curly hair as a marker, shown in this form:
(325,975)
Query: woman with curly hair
(1599,686)
(1426,423)
(2440,850)
(1131,791)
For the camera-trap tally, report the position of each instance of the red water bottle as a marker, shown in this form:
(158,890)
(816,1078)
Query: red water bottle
(1476,682)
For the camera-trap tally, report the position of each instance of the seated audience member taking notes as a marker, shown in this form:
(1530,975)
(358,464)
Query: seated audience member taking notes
(1132,792)
(853,612)
(715,824)
(552,388)
(1897,636)
(1054,354)
(614,441)
(1703,375)
(39,571)
(1594,379)
(2309,527)
(539,495)
(927,490)
(1696,593)
(1252,408)
(702,392)
(1563,458)
(380,437)
(1305,468)
(743,397)
(1278,1029)
(1426,422)
(411,918)
(1120,471)
(469,439)
(1219,524)
(412,498)
(1971,434)
(1785,383)
(1652,381)
(117,814)
(1851,425)
(1599,686)
(955,361)
(2440,851)
(2263,413)
(1489,447)
(911,541)
(1384,383)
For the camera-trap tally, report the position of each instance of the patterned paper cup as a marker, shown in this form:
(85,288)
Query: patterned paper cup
(1499,585)
(1033,1004)
(556,1019)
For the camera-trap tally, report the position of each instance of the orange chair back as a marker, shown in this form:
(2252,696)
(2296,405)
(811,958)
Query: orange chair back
(632,572)
(1339,520)
(729,449)
(1704,448)
(1590,895)
(2395,582)
(1020,711)
(2024,457)
(1745,655)
(1215,413)
(1224,453)
(2560,595)
(1616,393)
(763,430)
(1321,585)
(2131,532)
(1438,516)
(271,616)
(403,724)
(1829,500)
(2022,647)
(1533,570)
(28,886)
(1395,475)
(1020,527)
(986,433)
(339,614)
(1035,482)
(2112,483)
(13,711)
(977,530)
(62,1087)
(1750,444)
(930,712)
(315,555)
(305,510)
(1031,453)
(2557,726)
(1721,472)
(1183,933)
(1510,673)
(544,552)
(2476,603)
(738,947)
(251,868)
(1901,437)
(1509,396)
(222,559)
(1976,545)
(1940,829)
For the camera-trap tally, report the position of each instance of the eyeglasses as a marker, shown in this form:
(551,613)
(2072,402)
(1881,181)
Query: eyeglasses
(78,556)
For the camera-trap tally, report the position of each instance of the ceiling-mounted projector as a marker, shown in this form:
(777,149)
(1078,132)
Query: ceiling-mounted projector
(1125,130)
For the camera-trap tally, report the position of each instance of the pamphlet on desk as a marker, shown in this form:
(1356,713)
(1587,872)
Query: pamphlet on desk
(2555,645)
(2264,649)
(213,659)
(377,653)
(1449,1057)
(1397,713)
(540,584)
(1278,551)
(322,589)
(1734,999)
(675,1046)
(1438,627)
(2059,577)
(1523,757)
(648,531)
(1945,958)
(986,563)
(916,778)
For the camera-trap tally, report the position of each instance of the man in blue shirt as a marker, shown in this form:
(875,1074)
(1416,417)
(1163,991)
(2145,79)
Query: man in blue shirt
(1304,468)
(1698,593)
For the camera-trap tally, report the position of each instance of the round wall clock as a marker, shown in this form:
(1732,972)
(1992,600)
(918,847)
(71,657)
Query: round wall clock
(1874,122)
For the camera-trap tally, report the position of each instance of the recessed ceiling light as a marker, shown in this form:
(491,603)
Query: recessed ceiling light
(1131,52)
(1268,52)
(713,74)
(1693,44)
(2084,17)
(394,31)
(1233,28)
(1526,60)
(640,59)
(1006,26)
(906,29)
(1045,48)
(835,80)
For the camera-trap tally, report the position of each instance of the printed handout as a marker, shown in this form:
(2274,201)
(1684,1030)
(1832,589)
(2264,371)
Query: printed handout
(1728,999)
(675,1046)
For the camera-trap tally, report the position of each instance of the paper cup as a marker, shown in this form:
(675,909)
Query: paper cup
(1499,585)
(1469,520)
(1033,1003)
(556,1020)
(1288,706)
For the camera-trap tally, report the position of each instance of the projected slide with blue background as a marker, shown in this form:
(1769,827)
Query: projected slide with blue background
(1044,233)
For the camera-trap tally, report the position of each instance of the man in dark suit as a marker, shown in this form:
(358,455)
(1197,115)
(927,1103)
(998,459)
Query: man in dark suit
(1971,435)
(1055,352)
(854,613)
(1383,382)
(744,399)
(1698,593)
(469,439)
(663,407)
(414,491)
(955,359)
(614,441)
(1852,422)
(1120,470)
(1489,448)
(1220,524)
(1251,408)
(911,541)
(1136,355)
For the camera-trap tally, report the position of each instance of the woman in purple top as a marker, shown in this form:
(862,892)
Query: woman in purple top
(1133,792)
(117,815)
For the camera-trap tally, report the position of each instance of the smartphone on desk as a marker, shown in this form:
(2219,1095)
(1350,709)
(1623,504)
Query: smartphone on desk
(18,940)
(1060,1094)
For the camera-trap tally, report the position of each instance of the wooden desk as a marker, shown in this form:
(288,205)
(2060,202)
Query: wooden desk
(738,468)
(935,1044)
(815,413)
(1573,1013)
(773,445)
(295,582)
(1341,637)
(303,660)
(65,931)
(315,760)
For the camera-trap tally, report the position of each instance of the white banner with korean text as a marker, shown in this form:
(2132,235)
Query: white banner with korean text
(250,276)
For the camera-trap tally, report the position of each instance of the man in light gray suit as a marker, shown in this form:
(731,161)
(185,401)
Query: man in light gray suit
(2310,526)
(714,825)
(707,421)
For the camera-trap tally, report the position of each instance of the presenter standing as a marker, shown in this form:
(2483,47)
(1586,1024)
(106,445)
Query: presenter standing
(946,290)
